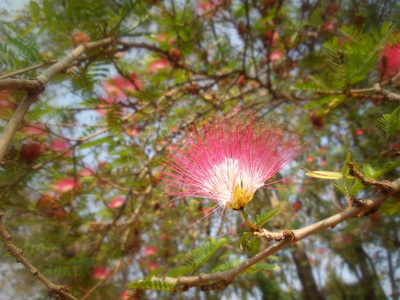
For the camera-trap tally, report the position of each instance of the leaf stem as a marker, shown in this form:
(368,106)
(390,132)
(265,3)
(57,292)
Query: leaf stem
(252,226)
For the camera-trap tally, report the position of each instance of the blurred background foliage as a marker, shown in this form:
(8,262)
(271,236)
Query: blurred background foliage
(80,185)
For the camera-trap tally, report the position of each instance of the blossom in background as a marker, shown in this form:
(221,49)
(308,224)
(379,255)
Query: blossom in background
(116,202)
(152,266)
(119,88)
(80,38)
(39,129)
(392,54)
(158,65)
(66,185)
(206,6)
(87,172)
(101,273)
(150,251)
(31,151)
(272,37)
(329,26)
(276,56)
(228,161)
(60,145)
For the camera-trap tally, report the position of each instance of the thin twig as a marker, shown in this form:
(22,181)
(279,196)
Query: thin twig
(55,290)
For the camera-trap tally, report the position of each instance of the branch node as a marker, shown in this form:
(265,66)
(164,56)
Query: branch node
(385,186)
(276,236)
(219,285)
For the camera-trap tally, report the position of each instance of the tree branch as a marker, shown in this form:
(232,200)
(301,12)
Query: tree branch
(55,290)
(298,234)
(43,79)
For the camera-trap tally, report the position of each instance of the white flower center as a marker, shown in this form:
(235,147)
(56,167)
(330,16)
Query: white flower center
(232,184)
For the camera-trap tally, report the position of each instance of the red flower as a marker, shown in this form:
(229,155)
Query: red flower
(392,54)
(117,202)
(329,26)
(66,185)
(31,151)
(150,251)
(101,273)
(276,56)
(158,65)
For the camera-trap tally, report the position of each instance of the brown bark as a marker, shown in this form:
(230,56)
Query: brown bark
(367,280)
(310,289)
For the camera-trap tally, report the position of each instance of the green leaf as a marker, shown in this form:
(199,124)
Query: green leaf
(261,267)
(226,266)
(344,185)
(346,168)
(368,170)
(152,285)
(263,218)
(389,125)
(202,254)
(48,10)
(34,10)
(179,271)
(325,174)
(386,168)
(105,140)
(389,208)
(155,273)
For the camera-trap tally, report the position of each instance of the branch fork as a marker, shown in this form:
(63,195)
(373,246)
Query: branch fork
(384,186)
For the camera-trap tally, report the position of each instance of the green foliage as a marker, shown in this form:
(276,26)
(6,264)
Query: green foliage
(182,270)
(203,253)
(263,218)
(260,267)
(151,285)
(34,11)
(230,264)
(389,207)
(212,47)
(351,59)
(389,124)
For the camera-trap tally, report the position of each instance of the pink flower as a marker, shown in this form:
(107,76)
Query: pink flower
(206,6)
(87,172)
(320,250)
(158,65)
(80,38)
(310,159)
(66,185)
(124,296)
(119,88)
(228,161)
(152,266)
(392,54)
(276,56)
(116,202)
(359,132)
(113,91)
(101,273)
(329,26)
(59,145)
(272,37)
(39,129)
(150,251)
